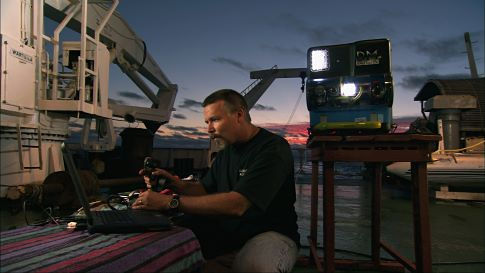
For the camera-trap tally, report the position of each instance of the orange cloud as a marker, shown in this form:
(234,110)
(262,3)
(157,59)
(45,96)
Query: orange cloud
(295,134)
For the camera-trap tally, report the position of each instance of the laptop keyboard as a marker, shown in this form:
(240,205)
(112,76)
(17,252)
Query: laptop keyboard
(114,216)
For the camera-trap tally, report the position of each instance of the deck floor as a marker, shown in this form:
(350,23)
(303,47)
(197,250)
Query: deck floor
(457,228)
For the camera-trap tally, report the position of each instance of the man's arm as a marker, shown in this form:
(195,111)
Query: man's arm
(188,188)
(229,203)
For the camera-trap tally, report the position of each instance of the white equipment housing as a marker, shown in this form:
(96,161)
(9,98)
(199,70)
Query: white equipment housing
(45,80)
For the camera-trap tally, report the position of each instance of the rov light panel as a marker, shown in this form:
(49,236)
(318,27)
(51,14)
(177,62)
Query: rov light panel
(348,89)
(319,60)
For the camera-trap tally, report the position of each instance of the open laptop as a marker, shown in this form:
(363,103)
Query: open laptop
(113,221)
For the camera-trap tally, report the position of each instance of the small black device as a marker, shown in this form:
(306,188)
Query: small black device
(158,183)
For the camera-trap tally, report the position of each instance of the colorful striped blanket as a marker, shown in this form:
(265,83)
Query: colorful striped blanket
(56,249)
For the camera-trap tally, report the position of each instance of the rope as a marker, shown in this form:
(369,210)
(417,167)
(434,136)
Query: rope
(462,149)
(294,110)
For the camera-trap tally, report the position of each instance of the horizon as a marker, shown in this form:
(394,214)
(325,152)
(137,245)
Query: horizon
(295,134)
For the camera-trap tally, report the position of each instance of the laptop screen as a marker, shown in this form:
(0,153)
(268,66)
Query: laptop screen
(72,170)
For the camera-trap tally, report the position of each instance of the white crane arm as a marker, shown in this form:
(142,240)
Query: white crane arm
(128,51)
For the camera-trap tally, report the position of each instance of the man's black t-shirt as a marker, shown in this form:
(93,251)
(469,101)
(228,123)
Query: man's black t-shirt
(262,171)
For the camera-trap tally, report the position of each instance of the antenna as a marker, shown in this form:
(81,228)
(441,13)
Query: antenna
(471,59)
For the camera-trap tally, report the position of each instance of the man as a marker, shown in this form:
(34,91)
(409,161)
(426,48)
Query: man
(244,205)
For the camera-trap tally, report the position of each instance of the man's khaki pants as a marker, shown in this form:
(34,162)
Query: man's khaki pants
(266,252)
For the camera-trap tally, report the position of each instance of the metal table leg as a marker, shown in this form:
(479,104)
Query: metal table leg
(314,217)
(329,216)
(376,214)
(422,235)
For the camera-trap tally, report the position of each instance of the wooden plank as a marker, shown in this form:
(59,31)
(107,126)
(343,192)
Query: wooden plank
(317,140)
(444,194)
(375,138)
(375,155)
(426,137)
(347,264)
(360,138)
(387,266)
(394,138)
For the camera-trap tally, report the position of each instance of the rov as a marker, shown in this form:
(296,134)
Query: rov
(350,87)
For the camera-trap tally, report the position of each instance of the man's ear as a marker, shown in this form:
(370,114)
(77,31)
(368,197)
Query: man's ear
(240,115)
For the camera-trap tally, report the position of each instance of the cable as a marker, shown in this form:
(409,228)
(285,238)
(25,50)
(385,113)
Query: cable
(144,53)
(462,149)
(393,128)
(122,200)
(422,111)
(302,76)
(49,213)
(36,223)
(293,112)
(456,263)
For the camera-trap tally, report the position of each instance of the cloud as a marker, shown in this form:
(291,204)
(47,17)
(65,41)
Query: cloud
(180,141)
(178,116)
(234,63)
(410,69)
(187,131)
(277,130)
(260,107)
(296,133)
(199,133)
(324,34)
(285,50)
(413,82)
(131,95)
(190,104)
(182,128)
(441,50)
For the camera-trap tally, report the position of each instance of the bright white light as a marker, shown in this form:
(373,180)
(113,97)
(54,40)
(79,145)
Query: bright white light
(319,60)
(348,89)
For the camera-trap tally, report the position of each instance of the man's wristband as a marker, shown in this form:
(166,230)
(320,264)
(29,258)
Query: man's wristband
(173,205)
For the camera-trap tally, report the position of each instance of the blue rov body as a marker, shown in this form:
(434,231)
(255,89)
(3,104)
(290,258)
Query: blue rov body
(350,87)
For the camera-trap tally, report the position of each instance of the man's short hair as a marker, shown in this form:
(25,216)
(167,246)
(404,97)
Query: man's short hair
(232,100)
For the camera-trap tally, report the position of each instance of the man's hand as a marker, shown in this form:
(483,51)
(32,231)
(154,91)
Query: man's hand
(151,200)
(175,184)
(157,172)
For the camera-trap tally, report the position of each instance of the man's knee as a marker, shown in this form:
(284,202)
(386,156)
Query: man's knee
(266,252)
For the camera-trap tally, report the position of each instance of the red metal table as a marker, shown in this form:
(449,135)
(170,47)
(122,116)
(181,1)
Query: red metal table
(375,150)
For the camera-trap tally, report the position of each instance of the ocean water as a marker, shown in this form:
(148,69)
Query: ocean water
(457,228)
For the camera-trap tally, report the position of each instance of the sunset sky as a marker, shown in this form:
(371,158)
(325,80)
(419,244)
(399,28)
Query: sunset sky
(207,45)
